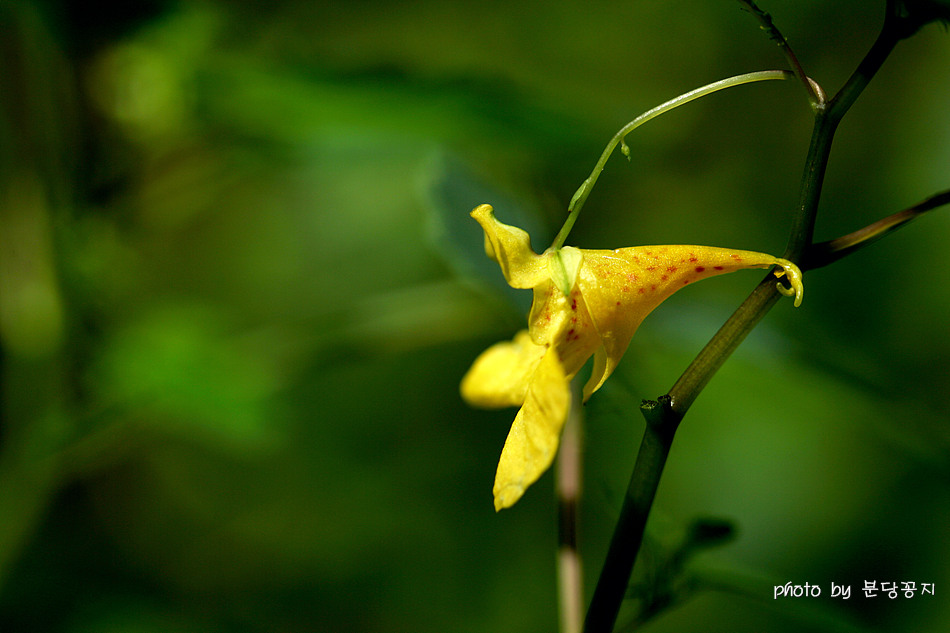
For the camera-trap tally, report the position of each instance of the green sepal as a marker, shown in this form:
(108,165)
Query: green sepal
(564,264)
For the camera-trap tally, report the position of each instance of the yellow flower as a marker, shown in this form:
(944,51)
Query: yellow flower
(586,303)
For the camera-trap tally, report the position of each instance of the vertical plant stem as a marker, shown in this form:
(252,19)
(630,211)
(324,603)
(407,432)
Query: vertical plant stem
(628,534)
(816,162)
(827,119)
(570,570)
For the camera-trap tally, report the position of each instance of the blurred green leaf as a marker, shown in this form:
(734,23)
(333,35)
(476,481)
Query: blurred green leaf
(181,369)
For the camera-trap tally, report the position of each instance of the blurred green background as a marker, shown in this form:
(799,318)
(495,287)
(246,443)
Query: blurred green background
(239,286)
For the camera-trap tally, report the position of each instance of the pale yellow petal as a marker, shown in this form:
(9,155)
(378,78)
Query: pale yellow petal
(499,376)
(511,248)
(535,433)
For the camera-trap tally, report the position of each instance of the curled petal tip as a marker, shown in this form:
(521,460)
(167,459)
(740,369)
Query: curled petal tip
(510,247)
(482,209)
(794,275)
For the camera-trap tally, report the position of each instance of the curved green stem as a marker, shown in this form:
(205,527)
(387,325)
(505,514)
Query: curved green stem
(580,196)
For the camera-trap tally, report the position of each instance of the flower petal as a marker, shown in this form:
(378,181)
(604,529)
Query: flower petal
(599,373)
(564,323)
(536,432)
(499,376)
(511,248)
(621,287)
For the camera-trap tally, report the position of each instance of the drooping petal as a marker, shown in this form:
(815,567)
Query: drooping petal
(499,376)
(511,248)
(536,432)
(621,287)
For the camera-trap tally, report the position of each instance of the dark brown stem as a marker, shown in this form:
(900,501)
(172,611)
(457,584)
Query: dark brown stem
(664,416)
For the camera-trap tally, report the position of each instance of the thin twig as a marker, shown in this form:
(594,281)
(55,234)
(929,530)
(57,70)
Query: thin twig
(815,95)
(831,251)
